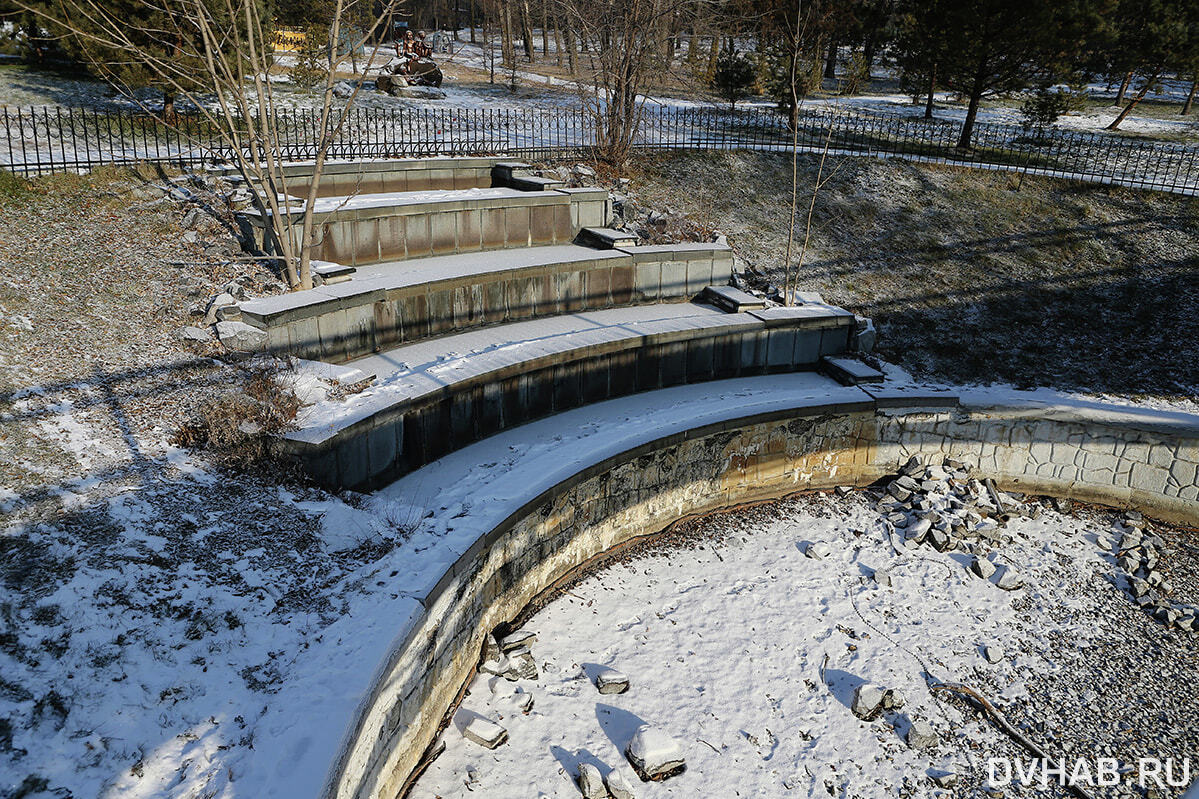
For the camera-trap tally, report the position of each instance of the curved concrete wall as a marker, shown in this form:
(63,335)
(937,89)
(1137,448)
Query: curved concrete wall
(396,306)
(1104,455)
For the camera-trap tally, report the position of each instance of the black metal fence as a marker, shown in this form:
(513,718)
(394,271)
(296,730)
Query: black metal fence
(47,139)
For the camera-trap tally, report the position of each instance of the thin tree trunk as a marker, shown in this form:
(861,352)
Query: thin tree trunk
(507,48)
(1190,101)
(571,61)
(1123,87)
(932,90)
(526,22)
(1140,95)
(545,31)
(830,64)
(713,55)
(473,17)
(558,40)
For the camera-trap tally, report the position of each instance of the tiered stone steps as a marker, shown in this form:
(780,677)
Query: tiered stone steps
(373,228)
(478,308)
(435,396)
(402,301)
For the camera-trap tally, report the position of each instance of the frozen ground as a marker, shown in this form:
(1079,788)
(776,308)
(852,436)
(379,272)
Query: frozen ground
(749,653)
(169,628)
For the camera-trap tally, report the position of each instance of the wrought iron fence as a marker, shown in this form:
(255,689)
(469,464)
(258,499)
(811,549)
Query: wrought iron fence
(46,139)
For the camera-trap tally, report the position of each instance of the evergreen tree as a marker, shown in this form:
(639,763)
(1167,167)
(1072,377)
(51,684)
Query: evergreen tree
(162,29)
(735,75)
(982,48)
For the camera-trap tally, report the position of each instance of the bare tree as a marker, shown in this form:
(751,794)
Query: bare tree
(627,38)
(230,41)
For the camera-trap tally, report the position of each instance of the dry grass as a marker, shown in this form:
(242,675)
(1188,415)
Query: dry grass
(971,275)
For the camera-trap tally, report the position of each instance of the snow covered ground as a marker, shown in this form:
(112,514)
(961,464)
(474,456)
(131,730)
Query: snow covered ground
(177,634)
(749,653)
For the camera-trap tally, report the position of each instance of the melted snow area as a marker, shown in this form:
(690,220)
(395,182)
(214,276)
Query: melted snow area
(749,652)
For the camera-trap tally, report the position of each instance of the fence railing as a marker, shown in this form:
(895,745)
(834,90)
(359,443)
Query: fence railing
(38,140)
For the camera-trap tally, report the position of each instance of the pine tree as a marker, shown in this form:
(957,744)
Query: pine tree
(158,28)
(735,75)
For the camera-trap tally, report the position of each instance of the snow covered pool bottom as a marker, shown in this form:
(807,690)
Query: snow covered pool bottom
(749,653)
(518,512)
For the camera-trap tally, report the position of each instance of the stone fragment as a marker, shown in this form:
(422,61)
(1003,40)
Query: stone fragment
(898,518)
(611,681)
(993,653)
(485,733)
(918,529)
(867,701)
(818,550)
(914,465)
(491,648)
(240,337)
(944,779)
(866,334)
(893,699)
(982,567)
(521,665)
(1138,586)
(518,639)
(618,786)
(843,491)
(882,577)
(591,782)
(654,755)
(193,333)
(921,735)
(899,492)
(939,540)
(215,304)
(1010,579)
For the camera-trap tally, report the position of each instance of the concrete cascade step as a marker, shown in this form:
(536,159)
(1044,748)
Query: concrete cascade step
(387,304)
(606,238)
(849,371)
(388,175)
(372,228)
(435,396)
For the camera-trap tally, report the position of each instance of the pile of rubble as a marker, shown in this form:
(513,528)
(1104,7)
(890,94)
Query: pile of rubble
(652,753)
(944,507)
(1138,557)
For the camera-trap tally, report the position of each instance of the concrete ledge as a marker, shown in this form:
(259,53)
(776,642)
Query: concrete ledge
(368,229)
(388,304)
(710,454)
(447,393)
(344,178)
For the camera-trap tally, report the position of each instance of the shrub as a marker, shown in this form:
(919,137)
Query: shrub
(1042,108)
(735,76)
(312,60)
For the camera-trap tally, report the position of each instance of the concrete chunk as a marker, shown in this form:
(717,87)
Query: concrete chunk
(654,754)
(485,733)
(611,681)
